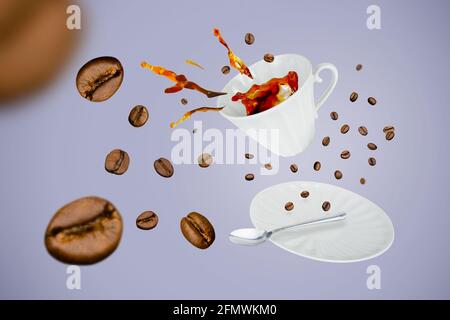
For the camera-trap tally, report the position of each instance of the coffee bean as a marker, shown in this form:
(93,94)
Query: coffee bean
(304,194)
(353,97)
(326,141)
(334,115)
(249,38)
(147,220)
(326,206)
(372,101)
(362,181)
(197,229)
(194,130)
(163,167)
(345,128)
(249,156)
(289,206)
(294,168)
(268,57)
(225,69)
(184,101)
(372,161)
(358,67)
(138,116)
(117,162)
(205,160)
(317,166)
(249,176)
(372,146)
(345,154)
(99,78)
(84,231)
(390,135)
(363,131)
(388,128)
(268,166)
(338,174)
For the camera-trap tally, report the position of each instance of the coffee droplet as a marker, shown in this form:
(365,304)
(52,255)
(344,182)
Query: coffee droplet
(225,69)
(147,220)
(353,97)
(372,161)
(163,167)
(326,206)
(289,206)
(345,154)
(249,176)
(338,174)
(372,101)
(363,131)
(345,128)
(334,115)
(249,38)
(268,57)
(138,116)
(304,194)
(372,146)
(294,168)
(317,166)
(117,162)
(205,160)
(326,141)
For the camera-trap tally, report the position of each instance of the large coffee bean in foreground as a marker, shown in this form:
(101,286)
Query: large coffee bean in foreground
(197,230)
(84,231)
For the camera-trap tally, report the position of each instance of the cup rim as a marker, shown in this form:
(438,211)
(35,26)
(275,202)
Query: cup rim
(277,106)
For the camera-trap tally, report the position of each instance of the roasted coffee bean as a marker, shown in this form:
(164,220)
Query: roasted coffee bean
(353,97)
(184,101)
(334,115)
(326,141)
(197,230)
(117,162)
(205,160)
(390,135)
(372,161)
(388,128)
(363,131)
(84,231)
(163,167)
(194,130)
(225,69)
(345,154)
(317,166)
(358,67)
(289,206)
(268,166)
(99,78)
(249,176)
(294,168)
(249,156)
(138,116)
(304,194)
(372,101)
(249,38)
(147,220)
(268,57)
(345,128)
(326,206)
(372,146)
(362,181)
(338,174)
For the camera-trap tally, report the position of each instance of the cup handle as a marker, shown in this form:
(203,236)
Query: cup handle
(331,86)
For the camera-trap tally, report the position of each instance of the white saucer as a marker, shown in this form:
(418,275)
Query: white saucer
(365,233)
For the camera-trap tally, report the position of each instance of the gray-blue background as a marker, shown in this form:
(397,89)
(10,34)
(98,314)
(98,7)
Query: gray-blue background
(53,150)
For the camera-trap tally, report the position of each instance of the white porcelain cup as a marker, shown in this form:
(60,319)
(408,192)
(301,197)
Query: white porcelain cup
(294,118)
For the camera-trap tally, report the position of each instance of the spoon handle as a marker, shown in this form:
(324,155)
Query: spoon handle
(337,217)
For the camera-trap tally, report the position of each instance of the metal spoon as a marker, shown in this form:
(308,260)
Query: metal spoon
(252,236)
